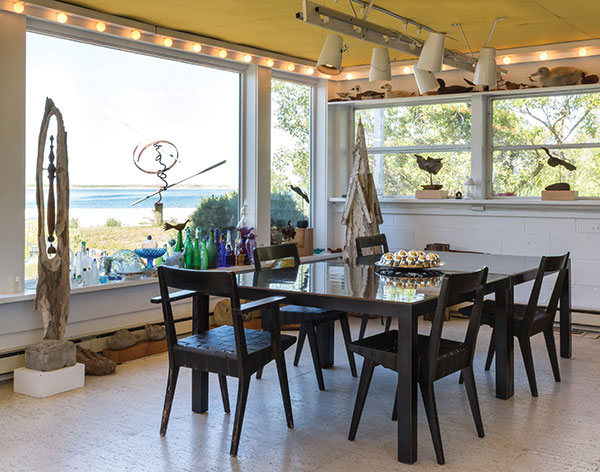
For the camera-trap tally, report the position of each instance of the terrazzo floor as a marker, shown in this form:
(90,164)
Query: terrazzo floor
(112,423)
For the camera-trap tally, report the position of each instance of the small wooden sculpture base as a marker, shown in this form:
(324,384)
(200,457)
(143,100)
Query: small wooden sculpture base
(560,195)
(431,194)
(142,349)
(304,239)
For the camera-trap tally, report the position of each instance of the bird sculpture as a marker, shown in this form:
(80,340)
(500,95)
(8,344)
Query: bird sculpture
(443,90)
(389,93)
(432,166)
(367,94)
(560,163)
(590,79)
(563,75)
(178,226)
(289,233)
(300,192)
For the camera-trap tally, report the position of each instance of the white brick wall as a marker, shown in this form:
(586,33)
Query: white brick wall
(528,233)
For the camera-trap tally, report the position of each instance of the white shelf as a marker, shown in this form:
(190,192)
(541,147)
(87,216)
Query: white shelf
(456,97)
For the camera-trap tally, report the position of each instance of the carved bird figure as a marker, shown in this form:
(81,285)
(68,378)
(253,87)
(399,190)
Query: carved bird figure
(300,192)
(431,165)
(555,161)
(178,226)
(590,79)
(563,75)
(367,94)
(289,232)
(451,88)
(389,93)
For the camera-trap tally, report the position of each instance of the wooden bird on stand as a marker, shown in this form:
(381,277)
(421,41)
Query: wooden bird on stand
(432,166)
(560,163)
(362,213)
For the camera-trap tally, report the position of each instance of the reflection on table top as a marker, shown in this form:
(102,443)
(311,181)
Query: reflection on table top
(360,279)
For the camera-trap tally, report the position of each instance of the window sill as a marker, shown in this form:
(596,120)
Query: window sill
(30,294)
(512,202)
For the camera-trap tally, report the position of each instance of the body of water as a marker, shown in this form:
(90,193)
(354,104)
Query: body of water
(122,198)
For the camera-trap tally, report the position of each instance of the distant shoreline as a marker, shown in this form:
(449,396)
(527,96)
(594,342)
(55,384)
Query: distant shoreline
(136,187)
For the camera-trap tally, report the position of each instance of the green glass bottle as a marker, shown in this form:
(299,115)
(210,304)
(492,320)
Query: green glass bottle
(197,259)
(211,250)
(203,256)
(179,245)
(189,251)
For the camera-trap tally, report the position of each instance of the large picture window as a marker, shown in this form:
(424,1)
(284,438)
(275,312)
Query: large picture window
(290,154)
(568,125)
(113,101)
(395,134)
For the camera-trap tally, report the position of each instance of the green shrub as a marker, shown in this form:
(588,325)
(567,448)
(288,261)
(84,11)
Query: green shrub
(113,223)
(216,212)
(74,223)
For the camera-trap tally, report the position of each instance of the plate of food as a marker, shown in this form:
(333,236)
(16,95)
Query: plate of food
(409,260)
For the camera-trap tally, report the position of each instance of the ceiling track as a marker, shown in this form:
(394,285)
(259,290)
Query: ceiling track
(356,28)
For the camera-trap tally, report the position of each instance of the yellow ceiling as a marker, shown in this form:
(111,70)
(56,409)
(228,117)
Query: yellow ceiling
(271,24)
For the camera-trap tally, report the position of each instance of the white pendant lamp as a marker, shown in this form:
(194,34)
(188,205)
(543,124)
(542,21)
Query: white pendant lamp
(486,70)
(330,59)
(426,81)
(432,53)
(380,65)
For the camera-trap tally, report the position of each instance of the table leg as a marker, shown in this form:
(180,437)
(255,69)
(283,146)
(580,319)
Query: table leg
(505,356)
(407,389)
(326,343)
(565,315)
(199,379)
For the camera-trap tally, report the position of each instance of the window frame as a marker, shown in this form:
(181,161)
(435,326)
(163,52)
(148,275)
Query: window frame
(419,149)
(535,93)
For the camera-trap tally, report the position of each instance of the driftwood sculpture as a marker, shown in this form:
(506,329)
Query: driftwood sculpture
(362,214)
(432,166)
(53,288)
(560,163)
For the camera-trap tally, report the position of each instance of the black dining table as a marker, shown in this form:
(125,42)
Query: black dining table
(358,287)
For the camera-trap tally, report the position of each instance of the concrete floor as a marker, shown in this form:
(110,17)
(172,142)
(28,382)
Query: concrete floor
(112,423)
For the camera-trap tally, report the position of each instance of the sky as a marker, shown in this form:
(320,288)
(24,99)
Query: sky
(112,101)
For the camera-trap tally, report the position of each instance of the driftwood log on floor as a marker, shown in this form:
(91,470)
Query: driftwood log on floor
(95,364)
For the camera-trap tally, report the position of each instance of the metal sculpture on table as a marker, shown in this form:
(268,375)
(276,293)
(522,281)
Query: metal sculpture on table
(362,214)
(165,156)
(53,287)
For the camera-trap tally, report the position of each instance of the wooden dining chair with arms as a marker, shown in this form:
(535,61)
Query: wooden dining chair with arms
(225,350)
(379,242)
(437,357)
(532,319)
(309,318)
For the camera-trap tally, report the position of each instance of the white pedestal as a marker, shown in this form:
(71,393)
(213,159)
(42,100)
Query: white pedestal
(36,383)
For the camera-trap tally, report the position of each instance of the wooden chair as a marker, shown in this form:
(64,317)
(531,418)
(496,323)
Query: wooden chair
(378,241)
(308,317)
(438,357)
(226,350)
(531,319)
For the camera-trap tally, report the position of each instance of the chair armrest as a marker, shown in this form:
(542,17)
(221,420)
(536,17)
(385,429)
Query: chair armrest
(260,304)
(174,296)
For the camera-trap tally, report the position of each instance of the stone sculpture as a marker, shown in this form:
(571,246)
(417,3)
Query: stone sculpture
(362,213)
(432,166)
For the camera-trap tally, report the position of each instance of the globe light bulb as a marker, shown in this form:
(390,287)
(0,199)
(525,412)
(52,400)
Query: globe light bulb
(62,17)
(18,7)
(543,56)
(135,34)
(583,52)
(196,47)
(247,58)
(101,26)
(168,42)
(407,70)
(309,71)
(270,62)
(507,60)
(291,67)
(223,53)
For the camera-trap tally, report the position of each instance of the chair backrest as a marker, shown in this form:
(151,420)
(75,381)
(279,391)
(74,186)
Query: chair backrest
(548,264)
(456,288)
(378,240)
(270,253)
(203,283)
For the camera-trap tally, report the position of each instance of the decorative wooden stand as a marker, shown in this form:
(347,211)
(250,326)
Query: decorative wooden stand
(304,239)
(431,194)
(558,195)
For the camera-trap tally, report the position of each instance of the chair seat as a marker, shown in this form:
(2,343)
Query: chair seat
(382,348)
(488,316)
(215,351)
(291,314)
